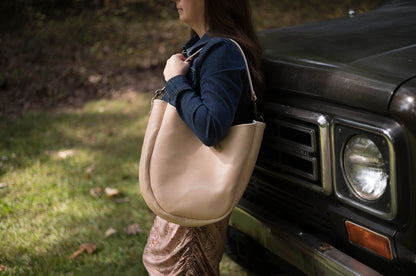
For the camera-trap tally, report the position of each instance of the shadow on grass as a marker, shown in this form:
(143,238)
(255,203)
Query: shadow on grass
(50,163)
(35,137)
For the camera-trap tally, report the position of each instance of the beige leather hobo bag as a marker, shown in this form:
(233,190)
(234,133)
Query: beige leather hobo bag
(188,183)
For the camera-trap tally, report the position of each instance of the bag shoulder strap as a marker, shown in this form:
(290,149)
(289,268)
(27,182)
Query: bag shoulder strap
(250,81)
(253,94)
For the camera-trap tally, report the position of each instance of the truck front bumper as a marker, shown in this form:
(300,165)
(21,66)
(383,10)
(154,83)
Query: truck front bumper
(302,250)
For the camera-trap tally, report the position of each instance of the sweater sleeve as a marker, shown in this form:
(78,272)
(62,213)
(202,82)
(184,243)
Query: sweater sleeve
(210,113)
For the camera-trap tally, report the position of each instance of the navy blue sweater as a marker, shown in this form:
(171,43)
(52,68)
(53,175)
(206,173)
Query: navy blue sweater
(215,93)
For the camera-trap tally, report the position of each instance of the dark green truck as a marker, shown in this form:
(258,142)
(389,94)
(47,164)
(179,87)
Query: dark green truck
(334,188)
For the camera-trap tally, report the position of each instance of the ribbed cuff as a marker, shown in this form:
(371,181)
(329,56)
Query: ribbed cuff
(174,87)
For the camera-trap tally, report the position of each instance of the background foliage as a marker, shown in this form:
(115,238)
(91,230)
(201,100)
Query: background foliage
(60,52)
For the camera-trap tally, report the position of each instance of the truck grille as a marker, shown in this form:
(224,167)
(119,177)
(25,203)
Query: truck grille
(265,195)
(296,148)
(290,148)
(295,152)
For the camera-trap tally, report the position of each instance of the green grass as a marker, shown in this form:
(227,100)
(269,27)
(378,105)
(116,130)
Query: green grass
(50,162)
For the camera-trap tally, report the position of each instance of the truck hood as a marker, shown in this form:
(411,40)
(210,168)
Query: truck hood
(358,61)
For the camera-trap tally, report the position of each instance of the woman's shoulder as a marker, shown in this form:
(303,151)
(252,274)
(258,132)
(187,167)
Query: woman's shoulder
(218,54)
(221,47)
(221,42)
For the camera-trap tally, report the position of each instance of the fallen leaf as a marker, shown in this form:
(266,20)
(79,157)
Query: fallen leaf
(133,229)
(111,192)
(95,192)
(90,247)
(88,171)
(324,246)
(110,231)
(95,78)
(66,153)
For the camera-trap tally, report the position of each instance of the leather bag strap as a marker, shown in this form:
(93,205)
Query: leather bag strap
(253,94)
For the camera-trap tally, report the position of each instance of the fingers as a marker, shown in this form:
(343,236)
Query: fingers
(176,65)
(181,57)
(176,58)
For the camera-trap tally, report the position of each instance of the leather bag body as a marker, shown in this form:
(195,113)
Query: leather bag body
(186,182)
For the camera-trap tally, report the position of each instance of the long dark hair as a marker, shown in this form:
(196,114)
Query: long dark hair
(233,19)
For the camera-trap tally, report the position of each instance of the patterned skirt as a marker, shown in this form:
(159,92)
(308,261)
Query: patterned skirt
(172,249)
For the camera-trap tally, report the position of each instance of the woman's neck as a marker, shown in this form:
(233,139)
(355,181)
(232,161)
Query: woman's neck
(200,29)
(200,32)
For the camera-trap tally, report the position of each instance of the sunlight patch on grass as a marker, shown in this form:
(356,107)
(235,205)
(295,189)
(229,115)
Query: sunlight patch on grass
(50,163)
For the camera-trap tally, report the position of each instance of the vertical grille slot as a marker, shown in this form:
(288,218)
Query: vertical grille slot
(306,167)
(298,134)
(295,135)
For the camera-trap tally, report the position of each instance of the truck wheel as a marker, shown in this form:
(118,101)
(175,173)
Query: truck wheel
(243,250)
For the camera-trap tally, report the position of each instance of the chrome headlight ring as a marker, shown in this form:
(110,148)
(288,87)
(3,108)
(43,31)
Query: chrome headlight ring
(364,167)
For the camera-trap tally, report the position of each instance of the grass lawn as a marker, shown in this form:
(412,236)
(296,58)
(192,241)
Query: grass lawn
(51,166)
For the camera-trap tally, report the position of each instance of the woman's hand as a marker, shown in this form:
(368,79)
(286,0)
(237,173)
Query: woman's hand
(176,65)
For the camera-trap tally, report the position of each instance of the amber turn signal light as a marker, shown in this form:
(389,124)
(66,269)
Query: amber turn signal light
(368,239)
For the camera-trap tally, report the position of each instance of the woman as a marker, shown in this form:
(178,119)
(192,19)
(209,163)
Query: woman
(210,91)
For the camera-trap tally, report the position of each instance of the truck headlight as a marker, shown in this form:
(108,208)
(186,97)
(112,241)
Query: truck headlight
(365,168)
